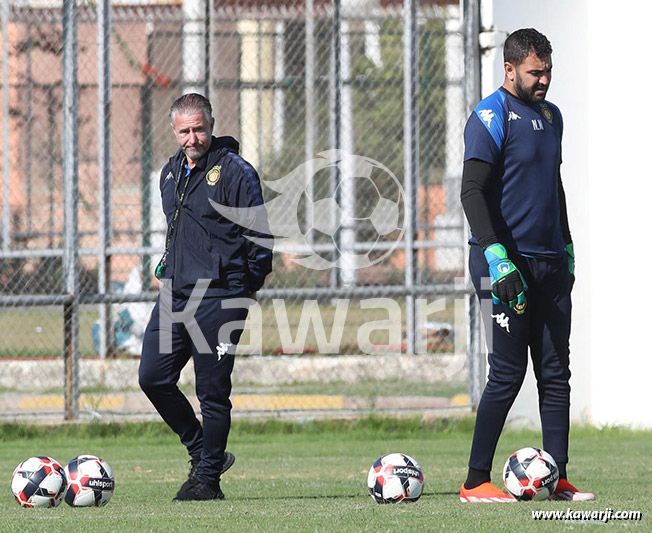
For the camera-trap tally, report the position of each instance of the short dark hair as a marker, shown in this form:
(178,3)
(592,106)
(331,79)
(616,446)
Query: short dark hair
(191,103)
(520,43)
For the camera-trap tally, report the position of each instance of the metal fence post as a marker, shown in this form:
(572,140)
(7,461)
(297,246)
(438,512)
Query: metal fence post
(411,158)
(70,200)
(336,115)
(194,46)
(6,148)
(347,191)
(472,93)
(147,168)
(309,91)
(104,171)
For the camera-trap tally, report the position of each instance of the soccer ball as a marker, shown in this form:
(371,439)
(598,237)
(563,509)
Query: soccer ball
(38,482)
(530,474)
(90,482)
(394,478)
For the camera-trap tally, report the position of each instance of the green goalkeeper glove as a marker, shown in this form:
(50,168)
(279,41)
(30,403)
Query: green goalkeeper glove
(570,251)
(507,284)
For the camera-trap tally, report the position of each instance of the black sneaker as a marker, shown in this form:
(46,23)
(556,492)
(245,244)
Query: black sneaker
(192,475)
(199,492)
(229,459)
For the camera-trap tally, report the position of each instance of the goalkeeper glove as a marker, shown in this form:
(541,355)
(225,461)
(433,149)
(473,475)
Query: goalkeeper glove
(507,284)
(571,262)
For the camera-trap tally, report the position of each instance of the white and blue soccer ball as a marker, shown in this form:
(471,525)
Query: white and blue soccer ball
(38,482)
(395,478)
(90,482)
(530,474)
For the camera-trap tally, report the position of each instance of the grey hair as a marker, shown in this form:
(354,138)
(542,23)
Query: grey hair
(191,103)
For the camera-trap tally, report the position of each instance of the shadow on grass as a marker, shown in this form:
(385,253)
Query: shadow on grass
(335,496)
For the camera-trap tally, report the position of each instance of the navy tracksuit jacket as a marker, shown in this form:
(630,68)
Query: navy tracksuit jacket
(206,245)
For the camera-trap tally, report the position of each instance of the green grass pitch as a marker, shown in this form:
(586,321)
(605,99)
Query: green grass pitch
(312,477)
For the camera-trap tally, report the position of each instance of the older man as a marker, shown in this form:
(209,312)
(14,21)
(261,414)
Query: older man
(208,260)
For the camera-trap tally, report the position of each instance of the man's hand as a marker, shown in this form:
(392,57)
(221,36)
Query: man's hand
(570,252)
(507,284)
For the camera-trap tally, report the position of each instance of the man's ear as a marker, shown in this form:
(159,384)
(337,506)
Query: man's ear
(510,71)
(212,124)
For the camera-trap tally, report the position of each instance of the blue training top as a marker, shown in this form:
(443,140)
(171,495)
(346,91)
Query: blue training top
(522,141)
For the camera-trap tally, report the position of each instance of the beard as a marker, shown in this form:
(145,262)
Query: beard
(527,94)
(196,152)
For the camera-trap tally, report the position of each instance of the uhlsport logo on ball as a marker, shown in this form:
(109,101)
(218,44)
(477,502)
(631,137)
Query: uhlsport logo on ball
(395,478)
(90,482)
(338,210)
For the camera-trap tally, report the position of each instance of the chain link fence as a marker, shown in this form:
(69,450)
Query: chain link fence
(368,306)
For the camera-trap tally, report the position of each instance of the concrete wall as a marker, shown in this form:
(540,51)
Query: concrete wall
(600,82)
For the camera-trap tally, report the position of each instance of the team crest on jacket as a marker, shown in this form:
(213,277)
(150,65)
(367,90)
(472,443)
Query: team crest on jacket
(213,175)
(547,113)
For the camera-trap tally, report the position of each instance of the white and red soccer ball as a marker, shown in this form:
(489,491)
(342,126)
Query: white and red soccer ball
(38,482)
(530,474)
(90,482)
(394,478)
